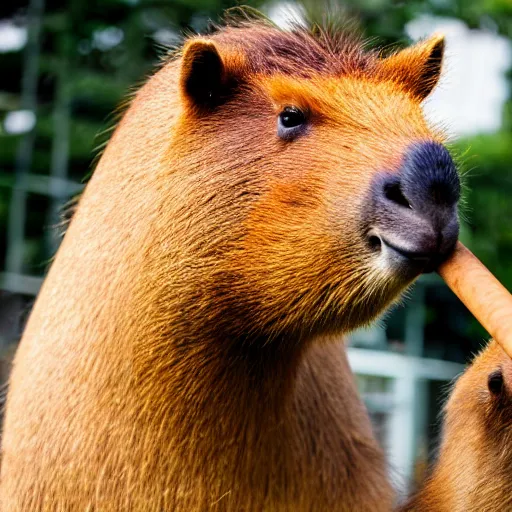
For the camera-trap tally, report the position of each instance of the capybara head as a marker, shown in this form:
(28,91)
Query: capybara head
(481,403)
(475,456)
(321,190)
(472,471)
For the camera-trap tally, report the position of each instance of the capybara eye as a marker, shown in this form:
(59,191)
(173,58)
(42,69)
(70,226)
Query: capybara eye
(290,122)
(495,382)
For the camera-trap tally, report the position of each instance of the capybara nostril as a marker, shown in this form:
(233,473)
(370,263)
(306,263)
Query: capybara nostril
(393,192)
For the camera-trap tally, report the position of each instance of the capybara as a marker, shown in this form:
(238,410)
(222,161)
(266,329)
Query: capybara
(472,473)
(266,192)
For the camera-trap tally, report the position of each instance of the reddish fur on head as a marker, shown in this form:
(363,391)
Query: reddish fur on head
(302,200)
(169,361)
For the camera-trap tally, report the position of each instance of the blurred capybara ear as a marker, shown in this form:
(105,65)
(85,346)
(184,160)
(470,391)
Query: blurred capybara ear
(418,67)
(495,382)
(203,73)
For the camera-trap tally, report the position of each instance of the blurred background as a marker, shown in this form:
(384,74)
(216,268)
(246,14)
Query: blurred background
(65,65)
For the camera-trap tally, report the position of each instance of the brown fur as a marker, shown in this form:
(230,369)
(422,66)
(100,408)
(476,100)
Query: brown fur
(475,458)
(169,362)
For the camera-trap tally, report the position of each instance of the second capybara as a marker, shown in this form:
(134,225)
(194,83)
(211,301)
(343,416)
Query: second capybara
(266,192)
(472,473)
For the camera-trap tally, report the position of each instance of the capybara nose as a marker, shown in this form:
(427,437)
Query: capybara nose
(414,210)
(429,181)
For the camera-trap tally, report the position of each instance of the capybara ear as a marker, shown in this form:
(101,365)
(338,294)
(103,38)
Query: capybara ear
(418,67)
(203,73)
(495,382)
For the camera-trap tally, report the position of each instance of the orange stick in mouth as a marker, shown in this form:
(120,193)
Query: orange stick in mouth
(487,299)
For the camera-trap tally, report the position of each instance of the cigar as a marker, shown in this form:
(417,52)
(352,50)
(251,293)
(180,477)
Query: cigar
(487,299)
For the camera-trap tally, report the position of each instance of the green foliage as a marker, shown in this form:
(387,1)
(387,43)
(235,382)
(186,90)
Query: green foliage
(489,204)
